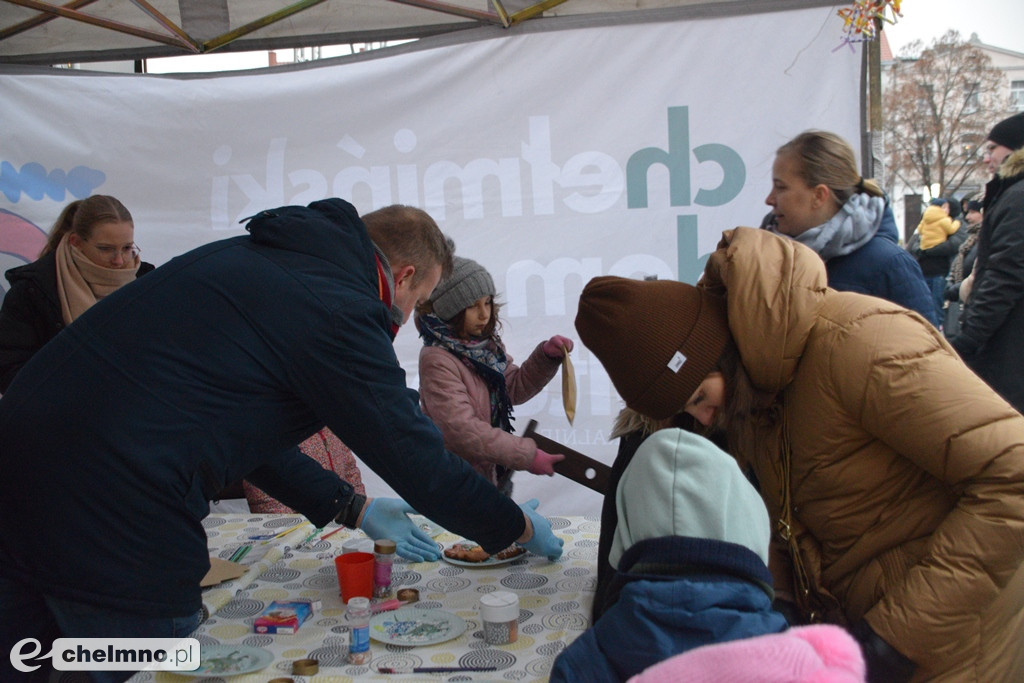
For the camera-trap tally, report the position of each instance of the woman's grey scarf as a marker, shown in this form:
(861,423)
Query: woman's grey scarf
(850,229)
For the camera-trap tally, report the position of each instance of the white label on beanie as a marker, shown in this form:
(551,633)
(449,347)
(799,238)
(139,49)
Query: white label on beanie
(676,362)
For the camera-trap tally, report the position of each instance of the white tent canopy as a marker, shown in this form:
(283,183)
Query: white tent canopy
(46,33)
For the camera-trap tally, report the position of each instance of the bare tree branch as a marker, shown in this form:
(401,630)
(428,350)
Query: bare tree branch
(938,107)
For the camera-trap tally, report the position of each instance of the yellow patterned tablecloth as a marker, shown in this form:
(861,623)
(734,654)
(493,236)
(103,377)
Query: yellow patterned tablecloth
(555,603)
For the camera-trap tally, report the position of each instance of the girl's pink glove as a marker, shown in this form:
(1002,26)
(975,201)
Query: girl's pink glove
(553,347)
(544,463)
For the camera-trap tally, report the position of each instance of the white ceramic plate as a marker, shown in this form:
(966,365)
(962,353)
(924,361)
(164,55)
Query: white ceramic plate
(230,660)
(410,626)
(489,562)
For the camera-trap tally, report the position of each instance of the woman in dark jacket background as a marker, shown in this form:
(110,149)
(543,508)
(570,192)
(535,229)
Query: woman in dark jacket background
(819,199)
(90,253)
(960,269)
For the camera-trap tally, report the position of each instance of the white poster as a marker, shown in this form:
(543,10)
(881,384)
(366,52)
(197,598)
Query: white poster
(550,157)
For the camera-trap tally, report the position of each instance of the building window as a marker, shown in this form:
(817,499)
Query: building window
(1017,95)
(971,101)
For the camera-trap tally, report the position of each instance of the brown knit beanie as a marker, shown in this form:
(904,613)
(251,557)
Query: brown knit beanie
(657,339)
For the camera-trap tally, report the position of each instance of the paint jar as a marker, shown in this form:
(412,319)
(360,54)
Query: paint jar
(383,557)
(499,612)
(305,667)
(357,617)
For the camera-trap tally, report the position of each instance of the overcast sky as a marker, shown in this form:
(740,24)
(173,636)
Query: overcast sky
(997,22)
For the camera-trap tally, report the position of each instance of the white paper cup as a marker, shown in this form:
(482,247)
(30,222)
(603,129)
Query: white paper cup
(499,612)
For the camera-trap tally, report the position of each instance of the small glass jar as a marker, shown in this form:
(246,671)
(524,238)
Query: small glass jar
(383,557)
(357,616)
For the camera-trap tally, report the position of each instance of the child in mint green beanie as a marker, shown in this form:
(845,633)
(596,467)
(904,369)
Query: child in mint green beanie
(690,551)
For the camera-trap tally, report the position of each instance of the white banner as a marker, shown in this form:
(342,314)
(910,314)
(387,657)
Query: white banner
(550,157)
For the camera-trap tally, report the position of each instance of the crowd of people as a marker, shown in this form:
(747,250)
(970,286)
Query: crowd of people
(821,458)
(164,402)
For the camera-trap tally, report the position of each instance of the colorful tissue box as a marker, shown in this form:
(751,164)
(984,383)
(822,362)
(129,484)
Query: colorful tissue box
(283,616)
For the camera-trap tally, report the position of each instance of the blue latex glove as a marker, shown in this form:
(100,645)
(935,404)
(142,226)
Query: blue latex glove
(543,542)
(388,518)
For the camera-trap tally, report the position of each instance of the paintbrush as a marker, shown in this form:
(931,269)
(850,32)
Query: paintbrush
(283,533)
(307,539)
(387,605)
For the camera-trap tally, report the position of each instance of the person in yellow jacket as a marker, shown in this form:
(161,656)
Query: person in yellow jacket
(936,224)
(933,245)
(893,476)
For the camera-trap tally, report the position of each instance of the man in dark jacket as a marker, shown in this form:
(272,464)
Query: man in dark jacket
(209,370)
(992,325)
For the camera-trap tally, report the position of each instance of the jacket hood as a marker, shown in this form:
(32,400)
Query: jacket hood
(681,484)
(1012,165)
(774,288)
(933,214)
(324,229)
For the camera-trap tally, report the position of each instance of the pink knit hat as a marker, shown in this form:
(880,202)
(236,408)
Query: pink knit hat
(805,654)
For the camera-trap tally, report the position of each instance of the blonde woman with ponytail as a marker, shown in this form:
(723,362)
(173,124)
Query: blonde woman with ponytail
(90,253)
(819,198)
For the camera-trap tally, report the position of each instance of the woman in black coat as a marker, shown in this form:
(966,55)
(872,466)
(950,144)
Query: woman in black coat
(961,268)
(90,253)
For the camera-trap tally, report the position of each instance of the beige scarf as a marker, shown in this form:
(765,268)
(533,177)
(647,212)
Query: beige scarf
(81,283)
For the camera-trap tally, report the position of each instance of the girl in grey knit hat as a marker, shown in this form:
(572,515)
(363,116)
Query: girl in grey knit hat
(468,383)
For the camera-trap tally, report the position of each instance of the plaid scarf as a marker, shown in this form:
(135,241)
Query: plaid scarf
(486,357)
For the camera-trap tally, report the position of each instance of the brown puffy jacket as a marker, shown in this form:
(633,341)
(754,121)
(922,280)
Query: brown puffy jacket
(907,470)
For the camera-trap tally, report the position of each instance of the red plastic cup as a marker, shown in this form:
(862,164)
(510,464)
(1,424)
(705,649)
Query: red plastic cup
(355,575)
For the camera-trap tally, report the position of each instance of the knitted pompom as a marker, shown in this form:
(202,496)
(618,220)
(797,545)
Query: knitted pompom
(839,653)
